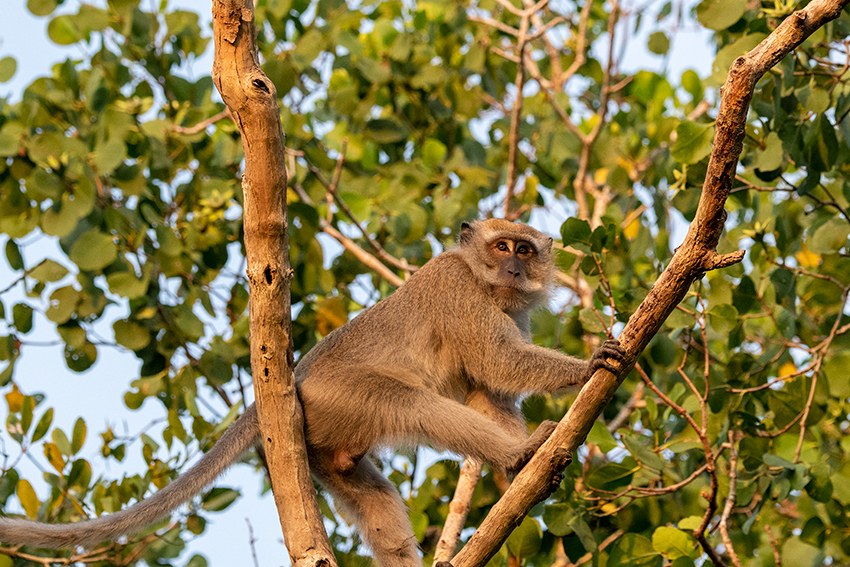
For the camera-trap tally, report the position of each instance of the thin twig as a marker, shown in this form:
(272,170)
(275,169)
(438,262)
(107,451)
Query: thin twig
(730,501)
(777,558)
(201,126)
(358,252)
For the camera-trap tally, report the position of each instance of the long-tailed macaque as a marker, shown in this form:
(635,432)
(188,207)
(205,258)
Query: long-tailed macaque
(442,361)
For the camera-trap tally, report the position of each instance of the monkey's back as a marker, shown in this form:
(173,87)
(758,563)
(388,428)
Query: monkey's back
(409,339)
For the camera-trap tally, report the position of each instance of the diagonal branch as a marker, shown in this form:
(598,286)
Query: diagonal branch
(537,480)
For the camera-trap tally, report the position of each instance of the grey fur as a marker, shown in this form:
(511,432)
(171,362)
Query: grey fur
(442,361)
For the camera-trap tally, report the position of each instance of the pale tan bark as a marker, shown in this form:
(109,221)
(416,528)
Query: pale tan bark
(692,259)
(470,472)
(251,98)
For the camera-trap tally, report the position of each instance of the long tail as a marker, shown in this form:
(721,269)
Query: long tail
(233,443)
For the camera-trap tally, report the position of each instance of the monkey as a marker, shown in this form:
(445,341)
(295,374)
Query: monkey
(443,360)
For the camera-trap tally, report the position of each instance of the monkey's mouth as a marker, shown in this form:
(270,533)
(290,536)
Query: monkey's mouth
(506,291)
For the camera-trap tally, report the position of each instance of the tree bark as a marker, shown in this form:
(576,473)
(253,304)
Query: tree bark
(696,255)
(252,100)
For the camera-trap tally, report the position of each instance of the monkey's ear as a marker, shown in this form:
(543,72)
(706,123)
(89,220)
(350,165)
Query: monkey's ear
(549,244)
(466,231)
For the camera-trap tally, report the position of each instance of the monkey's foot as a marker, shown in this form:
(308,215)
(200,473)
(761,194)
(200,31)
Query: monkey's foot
(540,435)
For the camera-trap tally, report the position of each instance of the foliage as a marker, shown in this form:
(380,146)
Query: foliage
(130,167)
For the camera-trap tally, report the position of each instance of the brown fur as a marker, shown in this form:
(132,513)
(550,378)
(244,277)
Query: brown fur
(441,361)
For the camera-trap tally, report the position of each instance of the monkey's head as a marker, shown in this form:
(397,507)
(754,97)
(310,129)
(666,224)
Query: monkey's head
(514,261)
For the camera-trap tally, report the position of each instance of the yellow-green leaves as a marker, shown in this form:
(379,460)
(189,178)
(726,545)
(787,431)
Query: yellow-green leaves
(693,142)
(720,14)
(93,251)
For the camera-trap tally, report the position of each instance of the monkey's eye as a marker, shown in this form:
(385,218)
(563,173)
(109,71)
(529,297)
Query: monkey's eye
(523,250)
(502,247)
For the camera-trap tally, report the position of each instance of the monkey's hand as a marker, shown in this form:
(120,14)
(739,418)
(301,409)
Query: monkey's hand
(609,349)
(525,451)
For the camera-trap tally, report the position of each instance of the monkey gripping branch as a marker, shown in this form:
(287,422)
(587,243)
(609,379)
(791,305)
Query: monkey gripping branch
(251,98)
(697,255)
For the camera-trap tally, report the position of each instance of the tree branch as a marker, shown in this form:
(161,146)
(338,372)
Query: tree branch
(538,478)
(252,100)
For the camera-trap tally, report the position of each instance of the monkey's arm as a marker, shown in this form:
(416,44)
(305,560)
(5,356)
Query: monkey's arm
(505,362)
(233,443)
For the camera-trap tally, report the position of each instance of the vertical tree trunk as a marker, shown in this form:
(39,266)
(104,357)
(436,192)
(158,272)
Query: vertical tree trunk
(252,101)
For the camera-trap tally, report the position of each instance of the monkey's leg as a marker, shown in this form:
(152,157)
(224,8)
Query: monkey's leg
(501,408)
(356,408)
(380,514)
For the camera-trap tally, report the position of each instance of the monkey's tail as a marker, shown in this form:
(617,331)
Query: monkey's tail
(233,443)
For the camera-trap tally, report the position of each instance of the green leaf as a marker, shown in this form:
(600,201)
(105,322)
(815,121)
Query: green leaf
(692,83)
(63,30)
(674,543)
(61,441)
(770,158)
(197,561)
(8,66)
(109,155)
(690,523)
(720,14)
(723,318)
(43,425)
(373,71)
(130,334)
(13,255)
(643,454)
(817,102)
(81,358)
(558,517)
(576,232)
(127,284)
(785,284)
(93,251)
(433,152)
(22,317)
(820,487)
(601,437)
(796,553)
(830,237)
(48,271)
(525,540)
(634,550)
(590,320)
(78,437)
(728,54)
(693,142)
(612,476)
(63,304)
(386,131)
(658,43)
(219,499)
(41,7)
(744,295)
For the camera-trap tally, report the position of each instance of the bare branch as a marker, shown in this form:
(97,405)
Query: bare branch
(201,126)
(458,510)
(730,501)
